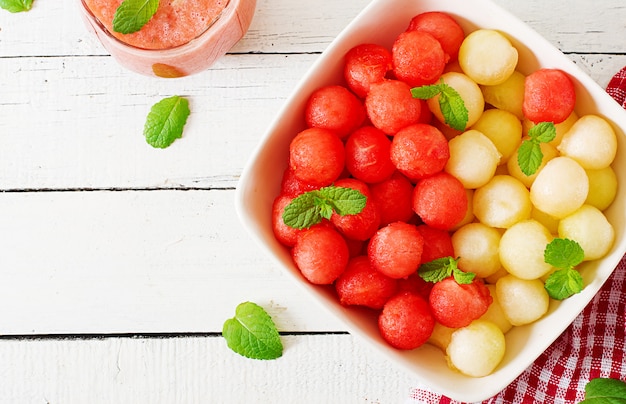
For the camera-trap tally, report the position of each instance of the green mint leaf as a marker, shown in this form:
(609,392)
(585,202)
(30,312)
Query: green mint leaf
(437,270)
(304,211)
(16,6)
(426,92)
(453,108)
(563,253)
(529,157)
(543,132)
(252,333)
(326,210)
(463,278)
(529,154)
(166,121)
(311,207)
(564,283)
(345,201)
(132,15)
(605,391)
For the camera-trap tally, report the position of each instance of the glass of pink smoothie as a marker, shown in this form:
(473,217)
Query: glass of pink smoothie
(182,38)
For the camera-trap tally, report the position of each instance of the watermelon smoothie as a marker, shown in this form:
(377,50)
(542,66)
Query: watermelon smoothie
(182,38)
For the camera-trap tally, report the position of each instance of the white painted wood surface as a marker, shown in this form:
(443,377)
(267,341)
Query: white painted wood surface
(119,262)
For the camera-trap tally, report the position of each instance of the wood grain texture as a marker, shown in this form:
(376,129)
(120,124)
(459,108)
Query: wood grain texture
(101,234)
(196,370)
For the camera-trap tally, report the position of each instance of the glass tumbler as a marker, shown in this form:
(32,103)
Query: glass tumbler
(223,31)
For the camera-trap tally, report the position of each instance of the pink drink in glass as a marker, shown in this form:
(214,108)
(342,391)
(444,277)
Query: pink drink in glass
(183,37)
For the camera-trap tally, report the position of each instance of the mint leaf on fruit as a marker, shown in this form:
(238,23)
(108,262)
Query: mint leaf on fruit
(452,106)
(529,154)
(564,254)
(252,333)
(16,6)
(166,121)
(132,15)
(605,391)
(426,92)
(463,278)
(442,268)
(311,207)
(564,283)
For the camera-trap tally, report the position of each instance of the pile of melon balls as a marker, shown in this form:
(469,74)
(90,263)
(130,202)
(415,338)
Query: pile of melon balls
(510,217)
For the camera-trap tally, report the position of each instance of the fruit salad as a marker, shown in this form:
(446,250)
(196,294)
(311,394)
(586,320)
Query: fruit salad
(446,191)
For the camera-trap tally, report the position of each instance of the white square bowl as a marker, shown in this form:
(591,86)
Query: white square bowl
(260,182)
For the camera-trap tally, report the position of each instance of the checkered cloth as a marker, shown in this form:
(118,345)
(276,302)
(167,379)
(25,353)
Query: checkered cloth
(617,87)
(592,346)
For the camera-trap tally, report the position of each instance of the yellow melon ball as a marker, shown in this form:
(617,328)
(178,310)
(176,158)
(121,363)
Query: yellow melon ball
(488,57)
(495,314)
(522,300)
(503,128)
(441,335)
(602,187)
(548,152)
(477,245)
(560,188)
(492,279)
(477,349)
(550,222)
(508,95)
(502,202)
(590,228)
(468,91)
(522,249)
(473,159)
(591,141)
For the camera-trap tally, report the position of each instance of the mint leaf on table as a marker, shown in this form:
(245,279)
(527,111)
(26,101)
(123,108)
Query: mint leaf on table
(441,268)
(16,6)
(605,391)
(166,121)
(529,154)
(252,333)
(311,207)
(132,15)
(564,254)
(452,106)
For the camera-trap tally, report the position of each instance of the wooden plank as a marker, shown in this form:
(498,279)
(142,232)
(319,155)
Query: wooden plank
(577,25)
(85,120)
(313,369)
(279,26)
(145,261)
(285,26)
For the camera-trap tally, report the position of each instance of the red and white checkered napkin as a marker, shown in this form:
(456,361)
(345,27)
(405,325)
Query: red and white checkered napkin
(592,346)
(617,87)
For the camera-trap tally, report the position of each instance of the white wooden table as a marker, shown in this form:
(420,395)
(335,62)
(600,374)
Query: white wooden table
(119,263)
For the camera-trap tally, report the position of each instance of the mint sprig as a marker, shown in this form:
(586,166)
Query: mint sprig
(311,207)
(529,154)
(132,15)
(564,254)
(252,333)
(441,268)
(453,108)
(166,120)
(16,6)
(605,391)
